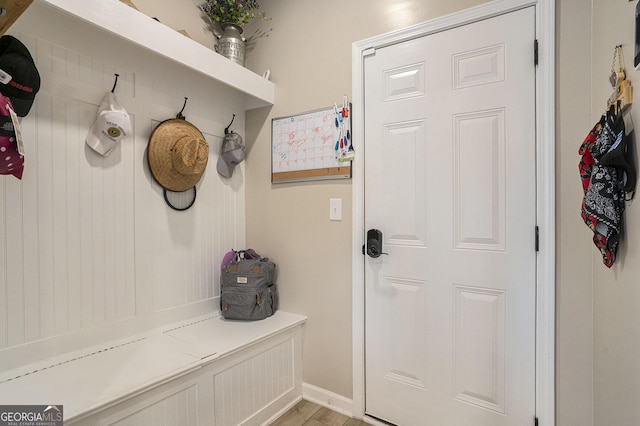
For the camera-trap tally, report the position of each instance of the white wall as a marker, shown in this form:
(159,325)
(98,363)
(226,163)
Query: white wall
(616,291)
(311,68)
(180,15)
(88,248)
(574,296)
(309,55)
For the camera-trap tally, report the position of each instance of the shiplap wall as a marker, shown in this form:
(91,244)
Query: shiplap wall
(88,248)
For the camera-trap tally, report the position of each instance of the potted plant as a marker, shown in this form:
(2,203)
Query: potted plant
(237,12)
(232,15)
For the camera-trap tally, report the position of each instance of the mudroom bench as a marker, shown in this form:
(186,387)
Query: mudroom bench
(206,371)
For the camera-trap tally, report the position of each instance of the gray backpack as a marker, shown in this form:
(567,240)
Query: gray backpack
(247,287)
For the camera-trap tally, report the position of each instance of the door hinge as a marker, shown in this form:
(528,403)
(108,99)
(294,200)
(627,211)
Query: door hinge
(535,422)
(363,249)
(535,52)
(368,52)
(537,238)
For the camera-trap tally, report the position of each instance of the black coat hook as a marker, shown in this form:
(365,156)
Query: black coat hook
(115,83)
(180,113)
(226,131)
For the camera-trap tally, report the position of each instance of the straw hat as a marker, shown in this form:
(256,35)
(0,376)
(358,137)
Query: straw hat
(177,154)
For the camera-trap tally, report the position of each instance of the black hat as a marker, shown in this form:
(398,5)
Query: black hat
(19,77)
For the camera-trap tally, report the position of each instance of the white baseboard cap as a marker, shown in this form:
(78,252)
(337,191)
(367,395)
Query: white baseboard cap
(327,399)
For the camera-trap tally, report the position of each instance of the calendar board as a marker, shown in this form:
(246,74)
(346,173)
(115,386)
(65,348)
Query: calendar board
(303,147)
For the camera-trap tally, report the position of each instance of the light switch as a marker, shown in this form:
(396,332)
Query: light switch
(335,208)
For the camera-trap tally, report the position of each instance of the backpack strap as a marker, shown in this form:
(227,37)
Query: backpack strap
(248,254)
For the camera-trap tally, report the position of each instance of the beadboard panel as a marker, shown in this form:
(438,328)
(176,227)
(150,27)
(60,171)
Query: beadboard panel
(88,247)
(178,409)
(73,220)
(247,387)
(176,273)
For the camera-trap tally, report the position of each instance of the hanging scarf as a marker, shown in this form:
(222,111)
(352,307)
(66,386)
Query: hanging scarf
(604,195)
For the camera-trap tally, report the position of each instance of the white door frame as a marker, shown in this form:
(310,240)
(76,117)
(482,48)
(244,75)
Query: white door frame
(545,181)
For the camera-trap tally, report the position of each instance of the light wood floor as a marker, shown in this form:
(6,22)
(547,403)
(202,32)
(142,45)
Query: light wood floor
(307,413)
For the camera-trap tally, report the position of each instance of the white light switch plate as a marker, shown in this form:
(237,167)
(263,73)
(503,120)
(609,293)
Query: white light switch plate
(335,208)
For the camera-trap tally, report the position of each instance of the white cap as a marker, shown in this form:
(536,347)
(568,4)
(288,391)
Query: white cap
(231,154)
(112,125)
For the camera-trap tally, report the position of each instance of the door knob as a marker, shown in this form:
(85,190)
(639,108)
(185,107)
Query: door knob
(374,243)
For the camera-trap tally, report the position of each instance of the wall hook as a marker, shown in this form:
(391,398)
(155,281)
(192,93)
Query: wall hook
(115,83)
(226,131)
(180,113)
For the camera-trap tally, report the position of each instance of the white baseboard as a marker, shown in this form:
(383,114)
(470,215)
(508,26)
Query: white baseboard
(282,411)
(327,399)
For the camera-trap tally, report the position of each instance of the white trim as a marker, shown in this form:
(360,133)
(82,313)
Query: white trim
(467,16)
(282,411)
(545,181)
(327,399)
(545,164)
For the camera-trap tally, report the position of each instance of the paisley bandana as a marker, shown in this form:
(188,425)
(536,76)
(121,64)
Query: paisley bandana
(604,195)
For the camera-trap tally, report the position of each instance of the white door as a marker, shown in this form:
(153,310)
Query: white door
(450,182)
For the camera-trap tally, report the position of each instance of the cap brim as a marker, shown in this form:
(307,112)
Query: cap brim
(224,169)
(21,106)
(111,116)
(99,145)
(229,159)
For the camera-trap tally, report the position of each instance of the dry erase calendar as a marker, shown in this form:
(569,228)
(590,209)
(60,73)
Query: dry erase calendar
(311,145)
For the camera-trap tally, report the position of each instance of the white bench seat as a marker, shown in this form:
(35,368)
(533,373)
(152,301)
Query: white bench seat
(88,381)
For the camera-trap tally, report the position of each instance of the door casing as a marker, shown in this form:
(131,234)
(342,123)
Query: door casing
(545,181)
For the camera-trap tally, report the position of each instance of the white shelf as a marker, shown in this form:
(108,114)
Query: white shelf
(123,21)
